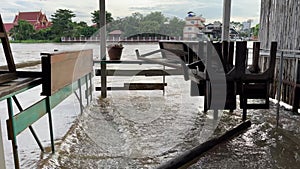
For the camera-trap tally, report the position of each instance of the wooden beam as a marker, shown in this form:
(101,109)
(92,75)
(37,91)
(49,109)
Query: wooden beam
(7,77)
(137,86)
(191,156)
(152,72)
(15,87)
(2,35)
(7,50)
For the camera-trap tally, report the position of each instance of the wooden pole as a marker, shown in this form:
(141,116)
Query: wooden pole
(226,20)
(2,159)
(103,48)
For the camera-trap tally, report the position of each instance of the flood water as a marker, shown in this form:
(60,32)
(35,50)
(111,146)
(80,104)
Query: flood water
(143,129)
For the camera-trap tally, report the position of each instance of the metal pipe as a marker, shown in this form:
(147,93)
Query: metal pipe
(87,90)
(103,47)
(91,87)
(13,134)
(48,108)
(30,127)
(279,89)
(226,20)
(80,96)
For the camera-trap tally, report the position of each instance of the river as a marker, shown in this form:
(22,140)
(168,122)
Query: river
(142,129)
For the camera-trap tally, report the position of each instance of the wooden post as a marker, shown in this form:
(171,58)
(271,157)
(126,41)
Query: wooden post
(226,20)
(256,49)
(296,88)
(2,159)
(103,48)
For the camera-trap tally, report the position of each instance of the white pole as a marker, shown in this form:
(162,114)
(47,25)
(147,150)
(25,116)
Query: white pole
(2,159)
(102,19)
(226,20)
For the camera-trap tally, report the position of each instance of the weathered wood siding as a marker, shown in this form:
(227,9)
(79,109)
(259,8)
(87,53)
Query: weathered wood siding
(291,84)
(280,22)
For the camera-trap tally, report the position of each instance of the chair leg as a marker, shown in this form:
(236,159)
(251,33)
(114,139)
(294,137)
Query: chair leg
(244,118)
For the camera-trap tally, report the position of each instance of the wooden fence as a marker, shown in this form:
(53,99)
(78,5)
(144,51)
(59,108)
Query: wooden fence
(290,89)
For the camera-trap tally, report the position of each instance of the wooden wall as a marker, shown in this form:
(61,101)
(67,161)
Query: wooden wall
(280,22)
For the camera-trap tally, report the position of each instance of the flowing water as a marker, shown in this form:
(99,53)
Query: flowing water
(142,129)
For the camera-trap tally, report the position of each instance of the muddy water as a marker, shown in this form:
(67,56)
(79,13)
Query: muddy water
(145,129)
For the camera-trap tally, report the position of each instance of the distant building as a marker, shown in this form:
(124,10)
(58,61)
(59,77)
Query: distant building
(115,35)
(37,19)
(214,31)
(8,26)
(193,26)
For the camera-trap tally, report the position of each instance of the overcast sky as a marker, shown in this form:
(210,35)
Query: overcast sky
(242,10)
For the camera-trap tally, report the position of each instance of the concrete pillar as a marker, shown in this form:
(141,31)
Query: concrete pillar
(226,20)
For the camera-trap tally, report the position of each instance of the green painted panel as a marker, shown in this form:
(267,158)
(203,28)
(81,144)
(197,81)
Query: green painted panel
(27,117)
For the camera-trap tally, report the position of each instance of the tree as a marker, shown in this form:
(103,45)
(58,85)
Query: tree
(149,26)
(154,22)
(255,30)
(155,16)
(62,23)
(43,34)
(82,29)
(96,20)
(173,27)
(23,31)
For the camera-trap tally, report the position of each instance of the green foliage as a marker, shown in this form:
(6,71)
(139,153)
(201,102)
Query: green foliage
(82,29)
(96,20)
(149,26)
(24,30)
(255,30)
(62,23)
(154,22)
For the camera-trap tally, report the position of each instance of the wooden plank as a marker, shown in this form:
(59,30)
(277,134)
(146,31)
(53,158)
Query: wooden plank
(164,62)
(137,86)
(7,77)
(152,72)
(24,64)
(30,115)
(62,69)
(18,86)
(145,86)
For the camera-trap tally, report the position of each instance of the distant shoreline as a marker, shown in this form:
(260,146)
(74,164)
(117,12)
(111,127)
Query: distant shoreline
(33,41)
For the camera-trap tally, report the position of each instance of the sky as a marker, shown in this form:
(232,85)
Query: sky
(241,10)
